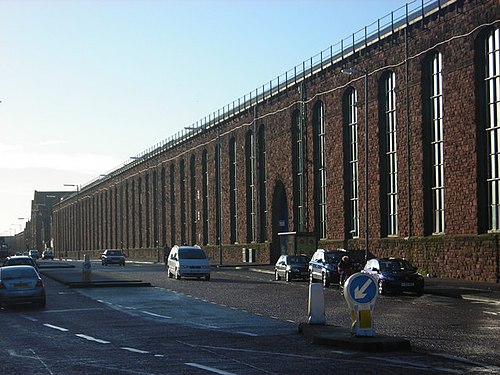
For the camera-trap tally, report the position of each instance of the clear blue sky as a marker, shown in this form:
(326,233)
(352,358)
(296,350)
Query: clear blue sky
(85,84)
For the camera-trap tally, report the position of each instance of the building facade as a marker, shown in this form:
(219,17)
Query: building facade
(389,139)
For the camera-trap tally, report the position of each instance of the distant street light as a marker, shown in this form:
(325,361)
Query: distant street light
(352,71)
(77,186)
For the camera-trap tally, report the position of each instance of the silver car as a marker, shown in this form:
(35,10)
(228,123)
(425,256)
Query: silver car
(21,284)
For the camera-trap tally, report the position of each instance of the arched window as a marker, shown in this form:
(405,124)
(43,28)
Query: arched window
(193,195)
(232,190)
(262,184)
(298,170)
(492,122)
(182,180)
(389,156)
(434,145)
(350,116)
(204,166)
(172,205)
(250,162)
(319,169)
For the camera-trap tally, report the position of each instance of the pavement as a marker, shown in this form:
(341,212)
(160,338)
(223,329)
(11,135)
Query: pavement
(71,274)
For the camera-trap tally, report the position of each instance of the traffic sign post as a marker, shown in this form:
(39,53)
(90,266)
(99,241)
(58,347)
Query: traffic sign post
(86,268)
(360,293)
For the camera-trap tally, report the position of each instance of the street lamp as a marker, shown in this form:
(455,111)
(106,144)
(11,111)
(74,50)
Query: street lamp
(77,186)
(352,71)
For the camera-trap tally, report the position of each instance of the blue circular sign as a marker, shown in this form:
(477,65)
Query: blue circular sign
(362,288)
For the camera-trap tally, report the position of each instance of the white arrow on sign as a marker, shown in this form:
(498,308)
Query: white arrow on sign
(359,293)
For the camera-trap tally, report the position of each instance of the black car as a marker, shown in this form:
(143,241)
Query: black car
(113,256)
(291,267)
(395,275)
(324,264)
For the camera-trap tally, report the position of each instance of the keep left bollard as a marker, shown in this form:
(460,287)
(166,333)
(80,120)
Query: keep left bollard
(86,268)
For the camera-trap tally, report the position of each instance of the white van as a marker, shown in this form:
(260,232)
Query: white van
(188,261)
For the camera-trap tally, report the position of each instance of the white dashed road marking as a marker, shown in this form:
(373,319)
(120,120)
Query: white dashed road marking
(90,338)
(56,327)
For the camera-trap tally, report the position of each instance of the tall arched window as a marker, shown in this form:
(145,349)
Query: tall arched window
(172,205)
(232,190)
(250,186)
(204,172)
(389,157)
(492,110)
(182,180)
(262,184)
(298,170)
(350,115)
(218,219)
(163,206)
(193,195)
(433,131)
(319,169)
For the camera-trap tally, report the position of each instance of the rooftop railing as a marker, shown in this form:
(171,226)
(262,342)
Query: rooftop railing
(408,14)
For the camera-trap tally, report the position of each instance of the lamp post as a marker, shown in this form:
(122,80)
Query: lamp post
(352,71)
(77,186)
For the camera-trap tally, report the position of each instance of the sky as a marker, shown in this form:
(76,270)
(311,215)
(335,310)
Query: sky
(86,84)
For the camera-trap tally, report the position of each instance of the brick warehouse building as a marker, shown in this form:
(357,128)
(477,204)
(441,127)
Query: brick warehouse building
(291,156)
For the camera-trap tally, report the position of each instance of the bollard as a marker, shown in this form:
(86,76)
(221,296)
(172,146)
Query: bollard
(316,309)
(86,268)
(360,293)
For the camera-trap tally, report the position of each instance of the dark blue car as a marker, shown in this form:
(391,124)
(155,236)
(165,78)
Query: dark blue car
(395,275)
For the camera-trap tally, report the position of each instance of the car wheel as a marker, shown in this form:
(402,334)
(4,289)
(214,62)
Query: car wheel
(207,277)
(419,292)
(288,277)
(381,289)
(325,280)
(42,304)
(277,276)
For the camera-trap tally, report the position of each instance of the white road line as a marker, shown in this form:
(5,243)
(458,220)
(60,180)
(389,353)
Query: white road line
(247,333)
(156,315)
(30,318)
(133,350)
(210,369)
(56,327)
(90,338)
(74,310)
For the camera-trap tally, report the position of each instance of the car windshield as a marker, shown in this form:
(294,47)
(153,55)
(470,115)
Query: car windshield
(395,265)
(297,259)
(192,254)
(333,257)
(114,252)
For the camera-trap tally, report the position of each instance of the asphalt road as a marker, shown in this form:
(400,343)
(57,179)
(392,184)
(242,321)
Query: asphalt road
(238,323)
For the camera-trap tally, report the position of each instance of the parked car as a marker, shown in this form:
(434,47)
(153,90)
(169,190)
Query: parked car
(188,261)
(291,267)
(48,254)
(323,266)
(21,284)
(34,254)
(18,260)
(395,275)
(113,256)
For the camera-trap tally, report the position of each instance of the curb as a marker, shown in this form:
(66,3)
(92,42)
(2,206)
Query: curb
(343,338)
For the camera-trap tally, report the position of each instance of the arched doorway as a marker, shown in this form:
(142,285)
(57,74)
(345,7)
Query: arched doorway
(279,218)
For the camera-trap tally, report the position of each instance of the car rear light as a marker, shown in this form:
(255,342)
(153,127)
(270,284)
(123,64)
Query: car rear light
(39,283)
(2,286)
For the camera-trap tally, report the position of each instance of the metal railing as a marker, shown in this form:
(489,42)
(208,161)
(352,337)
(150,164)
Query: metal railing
(408,14)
